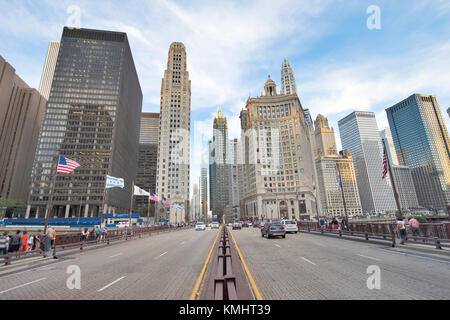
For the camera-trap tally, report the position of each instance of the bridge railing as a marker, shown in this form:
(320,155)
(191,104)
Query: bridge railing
(76,240)
(431,233)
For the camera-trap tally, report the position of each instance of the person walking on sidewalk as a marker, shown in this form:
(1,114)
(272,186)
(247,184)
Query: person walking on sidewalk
(24,242)
(402,230)
(415,227)
(4,242)
(14,244)
(48,239)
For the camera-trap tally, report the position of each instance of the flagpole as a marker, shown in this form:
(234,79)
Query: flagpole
(103,202)
(148,210)
(342,189)
(50,198)
(394,187)
(131,201)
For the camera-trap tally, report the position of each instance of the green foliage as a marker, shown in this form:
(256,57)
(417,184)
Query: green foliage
(11,203)
(421,219)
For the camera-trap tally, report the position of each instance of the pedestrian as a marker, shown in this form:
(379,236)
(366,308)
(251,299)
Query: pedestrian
(402,230)
(30,242)
(97,233)
(415,227)
(84,234)
(335,224)
(322,223)
(103,234)
(48,239)
(4,242)
(24,241)
(53,238)
(37,240)
(14,244)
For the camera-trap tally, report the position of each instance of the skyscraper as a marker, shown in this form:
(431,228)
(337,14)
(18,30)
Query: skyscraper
(92,117)
(422,143)
(359,133)
(220,168)
(49,68)
(386,137)
(287,79)
(174,133)
(21,113)
(147,156)
(278,157)
(336,173)
(204,191)
(324,137)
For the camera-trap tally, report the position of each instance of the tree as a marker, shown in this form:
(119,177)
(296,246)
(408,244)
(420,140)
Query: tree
(12,206)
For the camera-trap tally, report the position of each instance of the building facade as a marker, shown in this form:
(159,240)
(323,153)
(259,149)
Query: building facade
(220,168)
(278,157)
(21,112)
(204,192)
(49,68)
(422,143)
(336,174)
(386,138)
(174,134)
(93,118)
(147,157)
(405,187)
(359,133)
(288,85)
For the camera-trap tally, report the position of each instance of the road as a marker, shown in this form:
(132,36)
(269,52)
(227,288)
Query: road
(160,267)
(310,266)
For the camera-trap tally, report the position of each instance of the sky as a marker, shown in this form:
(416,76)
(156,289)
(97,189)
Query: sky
(340,64)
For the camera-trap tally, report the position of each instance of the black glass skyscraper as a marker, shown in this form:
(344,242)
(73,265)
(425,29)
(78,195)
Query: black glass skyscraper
(92,117)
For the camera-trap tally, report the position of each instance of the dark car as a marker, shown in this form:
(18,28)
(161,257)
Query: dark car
(245,224)
(273,229)
(237,225)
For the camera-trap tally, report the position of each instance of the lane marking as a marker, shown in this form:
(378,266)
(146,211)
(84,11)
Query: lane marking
(278,245)
(116,255)
(108,285)
(200,277)
(247,271)
(368,257)
(309,261)
(22,285)
(38,268)
(163,253)
(182,243)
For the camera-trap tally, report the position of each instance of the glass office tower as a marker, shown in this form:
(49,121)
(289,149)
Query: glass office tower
(421,141)
(92,117)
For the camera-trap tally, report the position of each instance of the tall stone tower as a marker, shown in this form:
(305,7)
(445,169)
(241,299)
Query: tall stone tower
(324,136)
(287,79)
(174,134)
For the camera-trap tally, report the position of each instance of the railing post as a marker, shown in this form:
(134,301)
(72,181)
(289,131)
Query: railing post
(438,243)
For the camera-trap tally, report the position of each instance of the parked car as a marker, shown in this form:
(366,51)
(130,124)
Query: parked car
(230,224)
(214,225)
(289,226)
(249,223)
(273,229)
(256,224)
(200,226)
(237,225)
(244,224)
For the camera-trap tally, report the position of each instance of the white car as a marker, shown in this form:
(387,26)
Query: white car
(200,226)
(214,225)
(289,226)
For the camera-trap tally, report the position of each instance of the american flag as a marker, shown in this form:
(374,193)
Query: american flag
(66,165)
(385,162)
(154,197)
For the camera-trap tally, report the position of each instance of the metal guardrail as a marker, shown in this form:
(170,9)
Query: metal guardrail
(225,280)
(382,231)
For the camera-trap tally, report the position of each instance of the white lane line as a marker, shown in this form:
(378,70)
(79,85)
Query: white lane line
(182,243)
(308,261)
(116,255)
(278,246)
(368,257)
(22,285)
(163,253)
(108,285)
